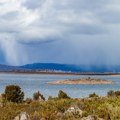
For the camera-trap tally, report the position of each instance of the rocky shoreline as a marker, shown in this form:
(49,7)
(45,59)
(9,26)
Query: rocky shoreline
(83,81)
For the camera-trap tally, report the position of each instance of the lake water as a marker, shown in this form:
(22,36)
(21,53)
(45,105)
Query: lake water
(33,83)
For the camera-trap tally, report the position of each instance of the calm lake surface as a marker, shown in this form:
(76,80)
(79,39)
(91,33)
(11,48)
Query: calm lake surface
(33,83)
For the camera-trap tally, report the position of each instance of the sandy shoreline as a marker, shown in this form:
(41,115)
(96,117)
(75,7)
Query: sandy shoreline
(35,73)
(83,81)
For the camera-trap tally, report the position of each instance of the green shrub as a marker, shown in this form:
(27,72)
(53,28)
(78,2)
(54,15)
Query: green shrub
(110,93)
(50,98)
(93,95)
(13,93)
(28,100)
(117,93)
(63,95)
(38,96)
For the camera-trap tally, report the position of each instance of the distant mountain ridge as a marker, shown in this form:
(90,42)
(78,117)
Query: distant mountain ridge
(52,66)
(60,67)
(72,67)
(7,68)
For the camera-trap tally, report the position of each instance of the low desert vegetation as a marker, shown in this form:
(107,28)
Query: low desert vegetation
(93,95)
(63,95)
(38,96)
(61,107)
(112,93)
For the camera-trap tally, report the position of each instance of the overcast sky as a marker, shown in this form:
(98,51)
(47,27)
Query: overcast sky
(60,31)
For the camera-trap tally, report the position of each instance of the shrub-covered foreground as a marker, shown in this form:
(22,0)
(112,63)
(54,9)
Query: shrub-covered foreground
(107,108)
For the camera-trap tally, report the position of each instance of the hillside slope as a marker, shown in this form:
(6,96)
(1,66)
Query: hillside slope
(60,67)
(71,67)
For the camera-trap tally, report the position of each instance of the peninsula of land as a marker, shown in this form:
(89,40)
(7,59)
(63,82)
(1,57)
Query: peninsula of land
(83,81)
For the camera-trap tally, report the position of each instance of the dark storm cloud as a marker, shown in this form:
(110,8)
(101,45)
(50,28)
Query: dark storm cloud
(89,30)
(84,31)
(110,17)
(33,4)
(36,42)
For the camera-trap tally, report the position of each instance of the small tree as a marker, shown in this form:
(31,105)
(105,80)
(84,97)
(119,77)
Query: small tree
(13,93)
(93,95)
(63,95)
(117,93)
(28,100)
(50,98)
(110,93)
(38,96)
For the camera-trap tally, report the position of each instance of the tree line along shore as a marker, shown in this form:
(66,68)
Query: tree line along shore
(60,73)
(13,106)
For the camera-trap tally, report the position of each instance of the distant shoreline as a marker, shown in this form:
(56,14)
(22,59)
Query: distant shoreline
(62,73)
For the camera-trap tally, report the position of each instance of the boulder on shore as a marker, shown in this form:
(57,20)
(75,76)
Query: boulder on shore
(74,111)
(91,117)
(22,116)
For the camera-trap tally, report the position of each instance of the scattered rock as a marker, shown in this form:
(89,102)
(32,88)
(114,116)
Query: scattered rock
(75,111)
(17,118)
(1,105)
(22,116)
(40,98)
(60,115)
(91,117)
